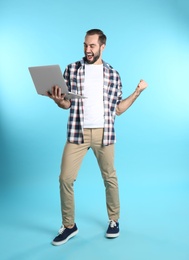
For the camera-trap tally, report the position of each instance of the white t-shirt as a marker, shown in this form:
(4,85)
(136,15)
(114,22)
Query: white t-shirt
(93,90)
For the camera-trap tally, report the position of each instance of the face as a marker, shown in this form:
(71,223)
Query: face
(93,50)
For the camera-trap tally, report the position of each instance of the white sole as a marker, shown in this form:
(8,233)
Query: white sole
(65,240)
(112,235)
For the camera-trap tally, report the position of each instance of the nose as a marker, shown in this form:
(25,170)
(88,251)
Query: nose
(87,48)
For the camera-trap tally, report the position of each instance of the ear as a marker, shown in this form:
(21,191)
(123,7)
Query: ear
(102,47)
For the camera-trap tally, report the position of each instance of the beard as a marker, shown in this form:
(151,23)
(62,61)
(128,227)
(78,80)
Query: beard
(94,57)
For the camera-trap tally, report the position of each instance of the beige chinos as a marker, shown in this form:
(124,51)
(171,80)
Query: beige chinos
(71,161)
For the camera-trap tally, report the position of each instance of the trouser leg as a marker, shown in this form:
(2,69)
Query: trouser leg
(105,158)
(71,161)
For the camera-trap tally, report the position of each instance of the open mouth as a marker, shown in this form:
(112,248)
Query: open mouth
(89,56)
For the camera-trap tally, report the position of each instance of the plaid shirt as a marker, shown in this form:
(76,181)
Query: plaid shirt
(74,75)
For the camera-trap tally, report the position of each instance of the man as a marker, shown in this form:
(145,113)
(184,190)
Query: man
(91,125)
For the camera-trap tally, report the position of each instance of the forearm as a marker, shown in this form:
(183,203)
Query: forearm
(127,102)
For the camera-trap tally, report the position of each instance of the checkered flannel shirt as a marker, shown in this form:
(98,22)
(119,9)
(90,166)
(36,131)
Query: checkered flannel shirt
(74,75)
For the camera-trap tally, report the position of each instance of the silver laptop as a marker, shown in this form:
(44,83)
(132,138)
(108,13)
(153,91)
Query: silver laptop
(45,77)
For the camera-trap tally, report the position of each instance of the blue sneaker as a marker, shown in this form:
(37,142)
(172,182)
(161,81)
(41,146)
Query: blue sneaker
(64,235)
(113,229)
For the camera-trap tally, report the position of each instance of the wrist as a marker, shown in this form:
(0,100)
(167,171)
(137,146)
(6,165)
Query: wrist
(65,104)
(137,92)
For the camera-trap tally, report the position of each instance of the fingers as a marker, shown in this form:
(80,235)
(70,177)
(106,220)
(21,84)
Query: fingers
(141,86)
(142,83)
(56,92)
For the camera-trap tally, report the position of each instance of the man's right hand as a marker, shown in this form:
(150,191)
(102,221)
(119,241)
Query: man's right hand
(59,98)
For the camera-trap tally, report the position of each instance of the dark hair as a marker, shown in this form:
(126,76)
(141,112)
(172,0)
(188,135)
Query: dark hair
(101,36)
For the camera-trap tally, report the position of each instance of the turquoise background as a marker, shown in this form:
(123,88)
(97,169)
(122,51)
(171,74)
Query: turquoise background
(146,39)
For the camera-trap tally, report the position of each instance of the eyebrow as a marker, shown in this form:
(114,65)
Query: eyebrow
(92,44)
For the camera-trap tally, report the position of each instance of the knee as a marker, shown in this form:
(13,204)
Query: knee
(111,181)
(66,180)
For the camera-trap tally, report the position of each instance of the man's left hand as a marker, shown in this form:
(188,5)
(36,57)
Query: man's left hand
(141,86)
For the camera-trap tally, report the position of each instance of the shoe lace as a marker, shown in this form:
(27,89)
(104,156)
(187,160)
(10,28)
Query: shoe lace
(112,223)
(61,230)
